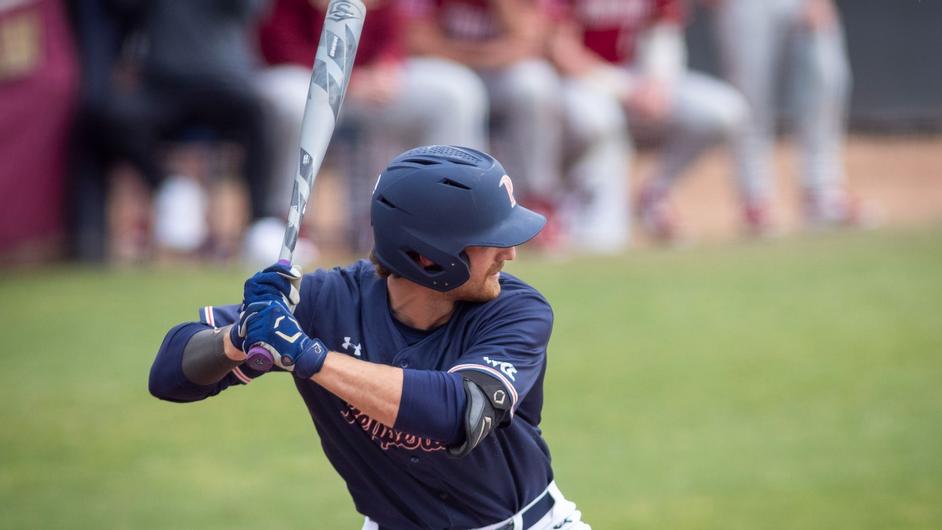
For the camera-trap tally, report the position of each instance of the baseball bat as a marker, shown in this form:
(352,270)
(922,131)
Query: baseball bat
(333,63)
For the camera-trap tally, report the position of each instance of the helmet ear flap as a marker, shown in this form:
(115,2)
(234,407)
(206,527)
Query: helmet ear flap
(451,271)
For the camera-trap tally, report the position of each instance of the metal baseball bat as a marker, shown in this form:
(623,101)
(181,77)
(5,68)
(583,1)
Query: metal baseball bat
(333,64)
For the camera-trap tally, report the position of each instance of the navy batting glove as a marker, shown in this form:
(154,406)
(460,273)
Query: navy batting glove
(271,326)
(278,283)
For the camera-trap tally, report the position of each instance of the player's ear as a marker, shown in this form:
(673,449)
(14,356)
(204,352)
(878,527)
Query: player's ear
(424,262)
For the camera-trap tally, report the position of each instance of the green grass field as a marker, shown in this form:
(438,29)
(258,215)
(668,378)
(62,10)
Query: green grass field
(794,384)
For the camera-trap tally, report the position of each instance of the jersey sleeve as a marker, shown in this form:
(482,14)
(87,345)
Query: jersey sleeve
(510,347)
(167,380)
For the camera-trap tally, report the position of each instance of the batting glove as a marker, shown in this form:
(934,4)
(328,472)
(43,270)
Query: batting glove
(279,283)
(271,326)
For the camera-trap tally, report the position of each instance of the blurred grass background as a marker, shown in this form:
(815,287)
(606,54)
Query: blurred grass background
(790,384)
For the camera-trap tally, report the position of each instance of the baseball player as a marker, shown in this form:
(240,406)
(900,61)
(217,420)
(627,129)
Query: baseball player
(808,35)
(632,52)
(422,368)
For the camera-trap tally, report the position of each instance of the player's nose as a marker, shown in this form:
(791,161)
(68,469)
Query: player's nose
(507,254)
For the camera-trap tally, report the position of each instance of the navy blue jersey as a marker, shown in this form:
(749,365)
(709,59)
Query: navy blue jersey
(400,480)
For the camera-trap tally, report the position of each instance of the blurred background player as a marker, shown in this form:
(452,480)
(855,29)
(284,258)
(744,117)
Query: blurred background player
(756,39)
(597,146)
(194,68)
(393,101)
(504,42)
(634,50)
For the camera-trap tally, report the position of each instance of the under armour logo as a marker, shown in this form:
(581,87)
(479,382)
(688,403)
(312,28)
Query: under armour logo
(562,524)
(505,367)
(346,345)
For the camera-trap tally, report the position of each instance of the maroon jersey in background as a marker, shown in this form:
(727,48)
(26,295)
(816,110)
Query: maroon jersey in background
(611,27)
(462,19)
(291,32)
(458,19)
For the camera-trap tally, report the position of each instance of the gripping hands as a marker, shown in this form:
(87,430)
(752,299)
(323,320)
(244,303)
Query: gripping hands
(271,326)
(278,283)
(267,329)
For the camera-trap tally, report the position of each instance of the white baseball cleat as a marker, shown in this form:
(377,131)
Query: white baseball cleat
(841,212)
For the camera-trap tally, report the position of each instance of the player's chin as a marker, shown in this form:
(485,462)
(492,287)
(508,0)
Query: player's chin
(490,290)
(484,292)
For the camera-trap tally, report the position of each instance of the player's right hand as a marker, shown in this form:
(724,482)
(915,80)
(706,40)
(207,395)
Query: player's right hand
(271,326)
(277,283)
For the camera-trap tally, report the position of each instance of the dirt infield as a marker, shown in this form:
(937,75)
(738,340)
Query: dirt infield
(900,176)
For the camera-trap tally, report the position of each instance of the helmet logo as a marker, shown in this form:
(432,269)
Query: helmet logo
(378,178)
(508,186)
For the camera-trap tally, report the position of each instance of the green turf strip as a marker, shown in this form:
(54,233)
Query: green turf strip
(794,384)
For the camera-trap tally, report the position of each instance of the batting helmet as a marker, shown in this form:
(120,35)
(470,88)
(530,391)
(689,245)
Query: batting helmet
(437,200)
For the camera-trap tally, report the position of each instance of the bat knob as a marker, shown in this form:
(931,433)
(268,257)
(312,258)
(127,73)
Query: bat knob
(259,359)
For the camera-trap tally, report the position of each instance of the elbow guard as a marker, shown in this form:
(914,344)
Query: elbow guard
(483,413)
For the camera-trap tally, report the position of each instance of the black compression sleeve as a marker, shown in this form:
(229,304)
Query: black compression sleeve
(204,358)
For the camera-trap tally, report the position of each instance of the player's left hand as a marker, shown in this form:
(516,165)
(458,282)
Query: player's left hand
(270,325)
(278,282)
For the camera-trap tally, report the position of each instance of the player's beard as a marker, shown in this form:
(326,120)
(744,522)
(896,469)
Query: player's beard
(482,289)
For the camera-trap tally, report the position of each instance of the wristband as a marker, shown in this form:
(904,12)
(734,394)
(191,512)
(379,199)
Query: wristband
(235,338)
(311,360)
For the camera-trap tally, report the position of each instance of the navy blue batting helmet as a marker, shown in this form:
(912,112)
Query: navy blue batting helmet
(437,200)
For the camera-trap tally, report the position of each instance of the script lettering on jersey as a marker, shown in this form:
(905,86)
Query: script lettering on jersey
(387,437)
